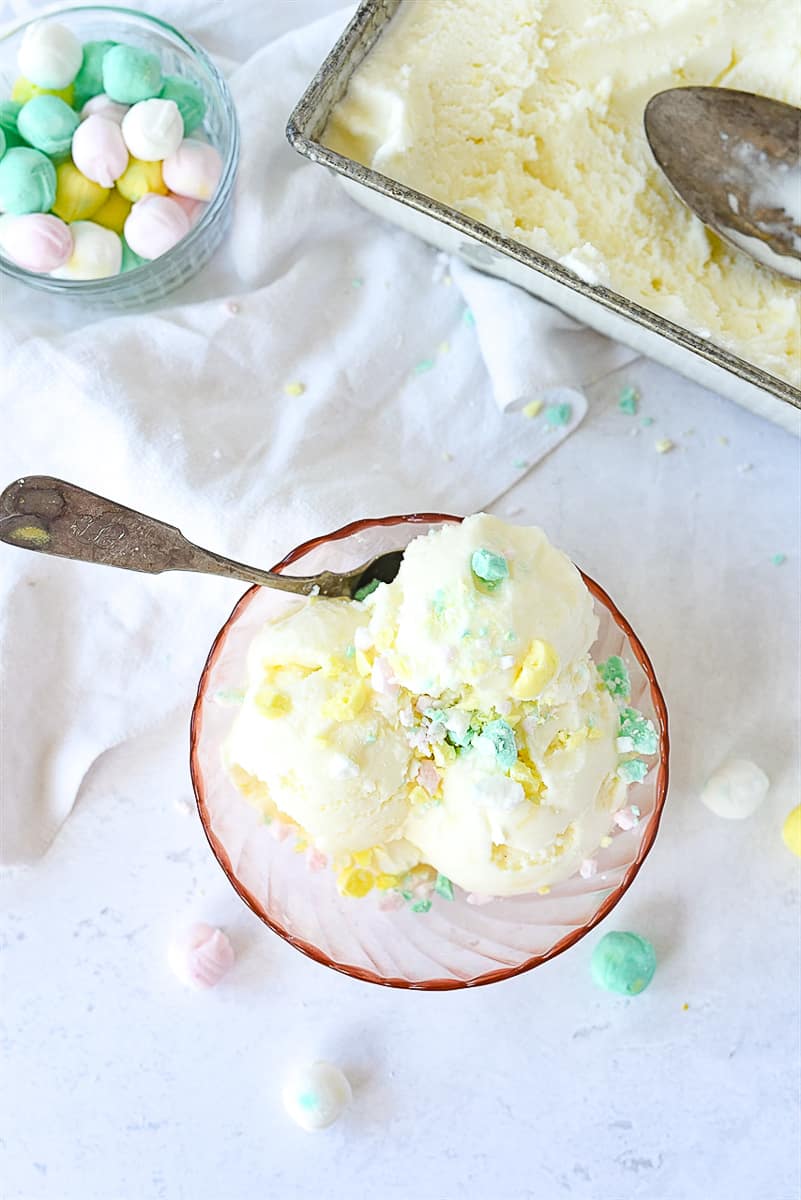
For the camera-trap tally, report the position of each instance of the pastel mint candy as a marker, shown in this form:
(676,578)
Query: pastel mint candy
(502,736)
(27,181)
(48,124)
(130,260)
(9,111)
(636,732)
(2,143)
(89,80)
(615,676)
(189,98)
(624,963)
(489,567)
(131,74)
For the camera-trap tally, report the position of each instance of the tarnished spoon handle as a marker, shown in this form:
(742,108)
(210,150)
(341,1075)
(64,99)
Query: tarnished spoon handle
(54,517)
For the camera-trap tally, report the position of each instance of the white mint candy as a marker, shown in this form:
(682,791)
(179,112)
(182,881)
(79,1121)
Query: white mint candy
(736,789)
(153,129)
(96,253)
(50,55)
(316,1095)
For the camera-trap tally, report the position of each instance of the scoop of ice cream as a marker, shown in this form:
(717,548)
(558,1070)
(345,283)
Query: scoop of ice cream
(502,827)
(483,611)
(311,729)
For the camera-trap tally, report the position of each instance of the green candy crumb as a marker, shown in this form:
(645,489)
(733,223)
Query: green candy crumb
(502,736)
(615,677)
(633,770)
(443,887)
(421,906)
(637,732)
(489,567)
(558,414)
(363,592)
(778,559)
(628,401)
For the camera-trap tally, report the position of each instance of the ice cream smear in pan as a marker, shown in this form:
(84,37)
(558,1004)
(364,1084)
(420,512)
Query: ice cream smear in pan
(449,730)
(528,117)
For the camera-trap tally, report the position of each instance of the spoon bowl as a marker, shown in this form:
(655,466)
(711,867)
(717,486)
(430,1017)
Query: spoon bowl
(735,159)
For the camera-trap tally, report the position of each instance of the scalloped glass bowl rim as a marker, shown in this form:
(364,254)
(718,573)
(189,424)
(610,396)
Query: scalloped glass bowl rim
(436,985)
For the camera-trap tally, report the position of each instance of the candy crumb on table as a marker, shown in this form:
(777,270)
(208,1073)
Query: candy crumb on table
(200,956)
(91,135)
(624,963)
(316,1095)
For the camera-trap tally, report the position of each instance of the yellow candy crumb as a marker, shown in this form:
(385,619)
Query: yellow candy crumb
(347,703)
(362,662)
(296,388)
(528,777)
(791,831)
(684,1007)
(272,703)
(532,409)
(537,669)
(543,891)
(23,91)
(355,881)
(384,882)
(663,445)
(419,795)
(77,198)
(139,178)
(31,534)
(444,754)
(300,845)
(114,213)
(363,858)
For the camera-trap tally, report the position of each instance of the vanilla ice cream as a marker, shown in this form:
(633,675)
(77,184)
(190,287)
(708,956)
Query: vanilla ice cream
(527,115)
(451,727)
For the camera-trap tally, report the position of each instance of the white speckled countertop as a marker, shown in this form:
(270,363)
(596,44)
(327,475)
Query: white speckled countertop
(120,1085)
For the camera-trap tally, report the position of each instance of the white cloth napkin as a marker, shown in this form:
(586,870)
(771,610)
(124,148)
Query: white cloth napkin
(322,368)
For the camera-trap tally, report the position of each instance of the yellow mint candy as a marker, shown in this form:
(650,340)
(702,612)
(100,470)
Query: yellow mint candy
(384,882)
(114,212)
(139,178)
(23,91)
(347,703)
(355,881)
(77,198)
(272,703)
(537,669)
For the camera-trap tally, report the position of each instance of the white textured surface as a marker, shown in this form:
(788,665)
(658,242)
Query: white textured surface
(120,1085)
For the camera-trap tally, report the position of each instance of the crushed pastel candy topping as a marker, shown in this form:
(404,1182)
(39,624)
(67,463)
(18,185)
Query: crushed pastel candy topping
(443,887)
(632,770)
(502,738)
(558,414)
(636,732)
(615,676)
(627,818)
(628,400)
(489,567)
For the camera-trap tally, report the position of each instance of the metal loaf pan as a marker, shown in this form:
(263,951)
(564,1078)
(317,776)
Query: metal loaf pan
(485,248)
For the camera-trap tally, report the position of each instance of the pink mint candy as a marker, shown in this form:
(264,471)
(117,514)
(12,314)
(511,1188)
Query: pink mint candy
(154,225)
(428,776)
(98,150)
(193,170)
(201,956)
(104,106)
(36,241)
(192,208)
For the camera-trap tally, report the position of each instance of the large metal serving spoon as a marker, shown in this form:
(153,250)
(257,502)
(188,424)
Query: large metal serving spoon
(54,517)
(735,159)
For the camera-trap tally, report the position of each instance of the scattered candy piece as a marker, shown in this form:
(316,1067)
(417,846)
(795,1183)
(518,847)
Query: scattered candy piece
(605,841)
(489,567)
(23,91)
(615,677)
(778,559)
(633,770)
(736,789)
(294,389)
(428,776)
(155,224)
(193,170)
(316,1095)
(791,831)
(27,181)
(558,414)
(99,151)
(315,859)
(48,124)
(35,241)
(96,253)
(588,868)
(427,364)
(153,129)
(468,317)
(646,421)
(50,55)
(189,98)
(502,738)
(627,818)
(532,409)
(443,887)
(624,963)
(520,464)
(201,956)
(663,446)
(628,401)
(131,74)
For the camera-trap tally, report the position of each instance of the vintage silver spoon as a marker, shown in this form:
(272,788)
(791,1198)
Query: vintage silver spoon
(735,159)
(54,517)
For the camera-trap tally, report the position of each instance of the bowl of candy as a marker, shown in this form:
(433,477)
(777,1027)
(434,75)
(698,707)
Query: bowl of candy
(402,828)
(119,145)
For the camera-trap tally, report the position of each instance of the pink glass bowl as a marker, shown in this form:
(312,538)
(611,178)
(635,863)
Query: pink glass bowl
(455,944)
